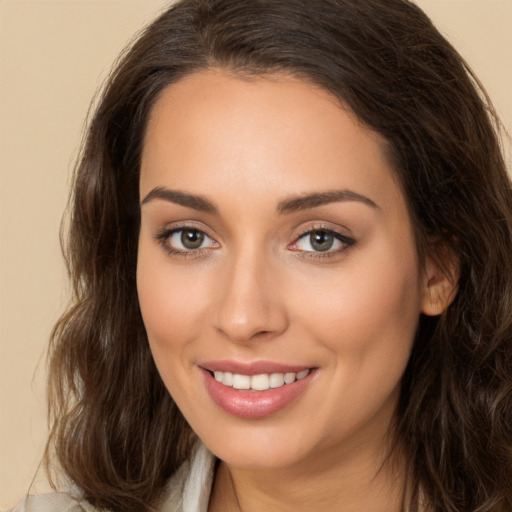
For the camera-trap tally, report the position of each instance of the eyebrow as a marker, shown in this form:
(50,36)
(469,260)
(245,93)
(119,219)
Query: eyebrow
(304,202)
(175,196)
(308,201)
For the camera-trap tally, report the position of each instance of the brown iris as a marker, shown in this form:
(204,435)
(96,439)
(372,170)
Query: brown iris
(192,238)
(321,240)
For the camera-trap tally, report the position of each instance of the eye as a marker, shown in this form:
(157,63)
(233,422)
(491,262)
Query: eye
(185,240)
(188,239)
(322,241)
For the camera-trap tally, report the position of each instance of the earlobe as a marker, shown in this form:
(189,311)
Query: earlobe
(441,282)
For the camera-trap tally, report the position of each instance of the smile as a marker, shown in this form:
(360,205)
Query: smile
(256,390)
(260,382)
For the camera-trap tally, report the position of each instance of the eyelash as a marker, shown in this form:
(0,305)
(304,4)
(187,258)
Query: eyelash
(163,239)
(347,243)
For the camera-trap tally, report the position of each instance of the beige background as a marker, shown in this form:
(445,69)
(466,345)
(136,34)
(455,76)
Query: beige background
(53,56)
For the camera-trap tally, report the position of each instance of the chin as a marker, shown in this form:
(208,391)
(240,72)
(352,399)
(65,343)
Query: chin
(260,447)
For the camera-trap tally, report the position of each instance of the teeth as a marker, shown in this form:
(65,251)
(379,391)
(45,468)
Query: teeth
(276,380)
(241,381)
(258,382)
(289,377)
(227,379)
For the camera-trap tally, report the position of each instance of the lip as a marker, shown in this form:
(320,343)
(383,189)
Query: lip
(252,404)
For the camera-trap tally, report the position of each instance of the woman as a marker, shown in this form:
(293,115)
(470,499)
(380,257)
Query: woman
(290,245)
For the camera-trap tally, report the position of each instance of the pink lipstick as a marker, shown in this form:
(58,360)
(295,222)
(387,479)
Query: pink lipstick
(257,389)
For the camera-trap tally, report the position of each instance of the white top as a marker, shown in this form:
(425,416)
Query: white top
(188,490)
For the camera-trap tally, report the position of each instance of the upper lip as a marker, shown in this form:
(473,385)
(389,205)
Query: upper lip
(251,367)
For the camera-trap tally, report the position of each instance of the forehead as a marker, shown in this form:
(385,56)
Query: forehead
(211,130)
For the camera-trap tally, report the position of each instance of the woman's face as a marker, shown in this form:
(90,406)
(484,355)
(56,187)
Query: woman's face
(275,242)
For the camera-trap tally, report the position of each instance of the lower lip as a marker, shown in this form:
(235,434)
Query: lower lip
(254,404)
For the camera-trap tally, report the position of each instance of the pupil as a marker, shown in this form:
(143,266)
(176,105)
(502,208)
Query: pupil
(192,239)
(321,241)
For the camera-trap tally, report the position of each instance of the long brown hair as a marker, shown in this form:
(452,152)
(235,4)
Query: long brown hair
(116,430)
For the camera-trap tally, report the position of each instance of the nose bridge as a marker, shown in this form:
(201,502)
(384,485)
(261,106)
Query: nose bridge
(249,302)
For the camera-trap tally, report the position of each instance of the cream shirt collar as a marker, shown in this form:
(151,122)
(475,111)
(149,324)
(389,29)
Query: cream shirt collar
(188,490)
(190,487)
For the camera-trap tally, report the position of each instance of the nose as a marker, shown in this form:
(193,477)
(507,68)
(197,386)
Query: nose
(250,304)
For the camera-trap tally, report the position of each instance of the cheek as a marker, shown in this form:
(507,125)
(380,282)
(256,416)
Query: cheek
(366,316)
(377,291)
(365,319)
(172,307)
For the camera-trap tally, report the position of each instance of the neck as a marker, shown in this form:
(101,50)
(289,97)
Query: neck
(365,480)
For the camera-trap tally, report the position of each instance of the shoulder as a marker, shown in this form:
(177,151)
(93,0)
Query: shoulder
(53,502)
(188,490)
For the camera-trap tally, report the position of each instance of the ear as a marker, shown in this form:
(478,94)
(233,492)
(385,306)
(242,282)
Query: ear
(441,280)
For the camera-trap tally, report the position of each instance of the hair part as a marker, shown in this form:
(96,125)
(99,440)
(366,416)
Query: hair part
(116,431)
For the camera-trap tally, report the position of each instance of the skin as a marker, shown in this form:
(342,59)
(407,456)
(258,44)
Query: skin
(257,290)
